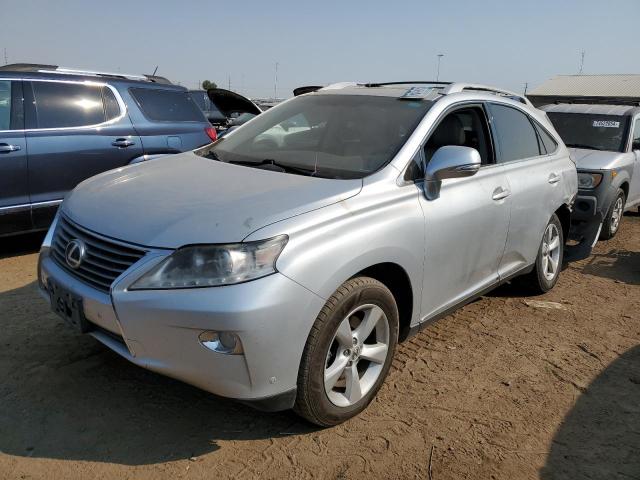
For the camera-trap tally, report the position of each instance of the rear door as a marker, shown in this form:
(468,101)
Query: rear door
(74,130)
(15,212)
(535,181)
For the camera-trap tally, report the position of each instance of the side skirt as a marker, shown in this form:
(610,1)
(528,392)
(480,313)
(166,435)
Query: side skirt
(431,320)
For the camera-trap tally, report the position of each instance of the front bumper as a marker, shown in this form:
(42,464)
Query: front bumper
(159,330)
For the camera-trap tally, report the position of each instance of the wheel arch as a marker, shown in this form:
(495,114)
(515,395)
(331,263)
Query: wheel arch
(564,214)
(396,279)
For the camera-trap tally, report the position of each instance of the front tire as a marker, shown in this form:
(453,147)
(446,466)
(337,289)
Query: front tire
(548,264)
(348,353)
(611,223)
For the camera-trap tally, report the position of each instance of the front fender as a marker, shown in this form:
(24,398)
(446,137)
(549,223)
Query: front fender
(328,246)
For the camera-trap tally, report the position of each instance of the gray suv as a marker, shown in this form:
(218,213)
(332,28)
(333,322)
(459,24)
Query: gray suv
(60,126)
(604,140)
(289,257)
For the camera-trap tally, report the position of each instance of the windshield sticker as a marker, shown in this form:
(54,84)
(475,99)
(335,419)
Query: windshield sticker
(606,124)
(417,92)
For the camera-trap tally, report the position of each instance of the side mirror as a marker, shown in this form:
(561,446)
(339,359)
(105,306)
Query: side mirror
(449,162)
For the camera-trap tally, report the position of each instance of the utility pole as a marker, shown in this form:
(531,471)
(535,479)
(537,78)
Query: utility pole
(440,55)
(581,62)
(5,57)
(275,83)
(229,82)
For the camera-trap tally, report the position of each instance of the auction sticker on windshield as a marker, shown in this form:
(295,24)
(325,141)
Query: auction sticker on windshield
(606,124)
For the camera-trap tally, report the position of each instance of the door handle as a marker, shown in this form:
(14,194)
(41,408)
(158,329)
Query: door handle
(122,143)
(554,178)
(500,193)
(5,148)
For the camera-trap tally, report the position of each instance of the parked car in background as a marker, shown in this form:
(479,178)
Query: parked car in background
(604,140)
(236,108)
(60,126)
(284,273)
(215,117)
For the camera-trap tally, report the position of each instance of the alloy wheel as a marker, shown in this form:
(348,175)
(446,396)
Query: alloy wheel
(551,252)
(356,355)
(616,215)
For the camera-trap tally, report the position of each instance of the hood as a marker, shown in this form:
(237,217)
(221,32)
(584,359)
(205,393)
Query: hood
(596,159)
(185,199)
(231,103)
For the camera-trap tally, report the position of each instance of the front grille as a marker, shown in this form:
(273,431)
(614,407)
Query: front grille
(104,260)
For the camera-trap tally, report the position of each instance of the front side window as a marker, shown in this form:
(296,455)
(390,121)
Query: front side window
(516,136)
(60,105)
(591,131)
(466,127)
(167,105)
(333,136)
(5,104)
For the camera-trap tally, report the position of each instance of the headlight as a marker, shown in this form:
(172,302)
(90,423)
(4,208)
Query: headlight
(214,265)
(589,180)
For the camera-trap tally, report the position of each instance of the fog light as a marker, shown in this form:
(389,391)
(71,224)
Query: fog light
(222,342)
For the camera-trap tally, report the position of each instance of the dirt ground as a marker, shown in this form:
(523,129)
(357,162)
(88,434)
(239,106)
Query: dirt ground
(502,389)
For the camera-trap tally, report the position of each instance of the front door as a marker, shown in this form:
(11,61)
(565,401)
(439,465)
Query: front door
(75,130)
(467,225)
(15,212)
(634,188)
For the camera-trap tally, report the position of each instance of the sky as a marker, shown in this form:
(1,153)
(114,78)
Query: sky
(497,42)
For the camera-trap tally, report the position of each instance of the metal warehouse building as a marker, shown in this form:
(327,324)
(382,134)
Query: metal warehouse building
(613,88)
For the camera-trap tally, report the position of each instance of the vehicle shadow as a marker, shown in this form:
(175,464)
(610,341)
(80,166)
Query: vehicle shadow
(65,396)
(21,244)
(620,265)
(600,437)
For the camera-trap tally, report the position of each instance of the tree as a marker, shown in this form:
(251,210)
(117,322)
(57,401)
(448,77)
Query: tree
(207,84)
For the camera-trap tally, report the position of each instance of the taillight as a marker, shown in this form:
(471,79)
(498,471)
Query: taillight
(213,135)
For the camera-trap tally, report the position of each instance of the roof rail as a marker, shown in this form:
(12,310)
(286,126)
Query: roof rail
(42,68)
(418,82)
(460,87)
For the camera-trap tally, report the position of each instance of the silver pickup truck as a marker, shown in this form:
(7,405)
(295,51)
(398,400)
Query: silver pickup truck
(604,141)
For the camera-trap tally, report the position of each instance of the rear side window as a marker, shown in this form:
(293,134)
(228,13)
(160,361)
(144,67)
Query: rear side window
(548,142)
(167,105)
(636,135)
(60,105)
(111,107)
(516,135)
(5,105)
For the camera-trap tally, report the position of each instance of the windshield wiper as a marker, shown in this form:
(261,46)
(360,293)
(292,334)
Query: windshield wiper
(580,145)
(271,162)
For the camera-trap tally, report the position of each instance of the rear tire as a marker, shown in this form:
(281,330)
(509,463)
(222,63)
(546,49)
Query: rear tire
(348,352)
(548,264)
(611,223)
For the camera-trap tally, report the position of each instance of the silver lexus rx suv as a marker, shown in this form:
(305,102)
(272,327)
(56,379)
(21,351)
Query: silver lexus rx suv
(281,264)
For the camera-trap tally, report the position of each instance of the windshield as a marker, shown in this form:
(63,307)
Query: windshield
(591,131)
(331,136)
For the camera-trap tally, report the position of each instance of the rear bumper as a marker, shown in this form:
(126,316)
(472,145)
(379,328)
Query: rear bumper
(159,330)
(586,222)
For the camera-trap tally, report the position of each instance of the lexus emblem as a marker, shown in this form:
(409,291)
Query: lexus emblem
(75,252)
